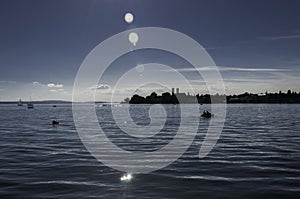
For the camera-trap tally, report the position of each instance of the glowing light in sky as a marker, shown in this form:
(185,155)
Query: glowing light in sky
(128,17)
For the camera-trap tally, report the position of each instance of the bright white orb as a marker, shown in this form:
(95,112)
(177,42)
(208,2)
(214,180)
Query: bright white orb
(128,17)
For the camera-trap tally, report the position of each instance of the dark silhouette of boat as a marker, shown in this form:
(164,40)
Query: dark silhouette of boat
(20,103)
(207,114)
(30,104)
(55,122)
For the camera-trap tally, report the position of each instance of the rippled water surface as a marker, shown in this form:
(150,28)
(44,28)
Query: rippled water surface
(257,156)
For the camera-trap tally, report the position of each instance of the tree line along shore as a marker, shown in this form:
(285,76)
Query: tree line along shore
(175,98)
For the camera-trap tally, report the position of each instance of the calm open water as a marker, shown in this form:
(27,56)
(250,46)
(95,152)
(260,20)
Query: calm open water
(257,156)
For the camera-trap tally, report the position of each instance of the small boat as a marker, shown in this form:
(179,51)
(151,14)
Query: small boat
(20,103)
(55,122)
(207,114)
(30,104)
(54,106)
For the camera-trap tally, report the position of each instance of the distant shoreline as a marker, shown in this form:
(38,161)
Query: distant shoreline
(38,102)
(50,102)
(69,103)
(245,98)
(183,98)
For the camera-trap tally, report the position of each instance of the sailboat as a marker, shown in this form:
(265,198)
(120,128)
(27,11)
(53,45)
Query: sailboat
(30,104)
(20,103)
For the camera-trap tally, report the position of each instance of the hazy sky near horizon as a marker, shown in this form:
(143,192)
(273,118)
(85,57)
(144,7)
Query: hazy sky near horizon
(255,43)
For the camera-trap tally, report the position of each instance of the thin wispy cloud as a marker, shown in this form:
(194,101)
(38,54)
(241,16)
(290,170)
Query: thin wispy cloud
(35,83)
(283,37)
(222,68)
(8,82)
(100,87)
(57,90)
(252,69)
(249,80)
(234,80)
(295,61)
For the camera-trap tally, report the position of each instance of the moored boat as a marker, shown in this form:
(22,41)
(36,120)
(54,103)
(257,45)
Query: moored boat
(30,104)
(20,102)
(207,114)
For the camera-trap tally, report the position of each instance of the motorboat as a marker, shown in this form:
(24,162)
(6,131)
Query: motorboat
(30,104)
(207,114)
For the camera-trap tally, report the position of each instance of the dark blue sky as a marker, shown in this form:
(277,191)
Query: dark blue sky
(46,41)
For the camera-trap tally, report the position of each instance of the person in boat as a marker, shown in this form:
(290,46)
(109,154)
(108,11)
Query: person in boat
(206,114)
(55,122)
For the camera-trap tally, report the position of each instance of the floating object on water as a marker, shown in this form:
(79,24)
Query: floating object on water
(55,122)
(207,114)
(20,103)
(30,104)
(54,105)
(126,178)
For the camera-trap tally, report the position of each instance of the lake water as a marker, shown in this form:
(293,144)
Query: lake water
(257,156)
